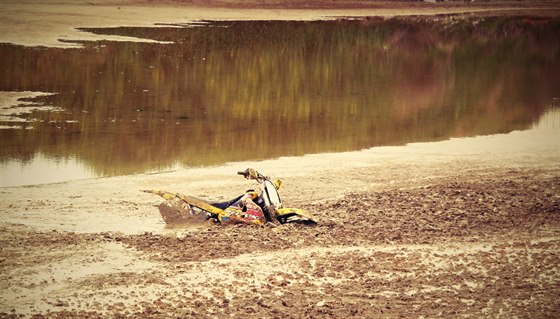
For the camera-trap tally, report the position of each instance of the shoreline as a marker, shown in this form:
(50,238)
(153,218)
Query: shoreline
(312,178)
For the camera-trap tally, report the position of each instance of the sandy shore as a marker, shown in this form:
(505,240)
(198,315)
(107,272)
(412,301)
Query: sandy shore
(464,227)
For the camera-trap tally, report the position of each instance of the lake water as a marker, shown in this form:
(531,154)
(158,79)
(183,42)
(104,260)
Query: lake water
(218,92)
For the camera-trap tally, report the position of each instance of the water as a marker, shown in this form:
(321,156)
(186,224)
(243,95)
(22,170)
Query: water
(232,91)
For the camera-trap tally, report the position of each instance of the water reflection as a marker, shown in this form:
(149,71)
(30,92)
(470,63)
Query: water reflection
(231,91)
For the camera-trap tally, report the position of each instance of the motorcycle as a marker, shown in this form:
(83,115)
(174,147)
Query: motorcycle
(253,207)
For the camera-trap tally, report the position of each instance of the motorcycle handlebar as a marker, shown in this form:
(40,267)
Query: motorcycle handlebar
(251,174)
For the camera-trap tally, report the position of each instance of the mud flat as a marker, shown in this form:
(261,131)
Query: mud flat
(464,227)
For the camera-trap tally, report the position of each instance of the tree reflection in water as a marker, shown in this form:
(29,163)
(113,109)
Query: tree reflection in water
(228,91)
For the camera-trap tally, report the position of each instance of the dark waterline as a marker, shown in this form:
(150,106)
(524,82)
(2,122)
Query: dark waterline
(231,91)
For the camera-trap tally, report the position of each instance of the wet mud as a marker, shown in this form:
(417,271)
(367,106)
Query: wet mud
(482,245)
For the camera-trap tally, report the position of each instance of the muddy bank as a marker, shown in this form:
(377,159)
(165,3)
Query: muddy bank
(482,244)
